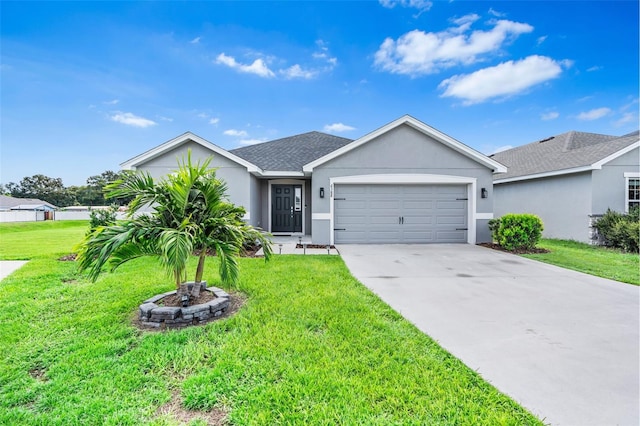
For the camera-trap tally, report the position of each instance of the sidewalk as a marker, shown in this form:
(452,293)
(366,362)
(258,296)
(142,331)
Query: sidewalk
(7,267)
(288,245)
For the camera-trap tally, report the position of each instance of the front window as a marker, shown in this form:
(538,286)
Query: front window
(633,192)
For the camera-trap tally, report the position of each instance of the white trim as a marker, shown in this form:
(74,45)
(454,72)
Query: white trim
(304,204)
(282,174)
(484,216)
(408,179)
(599,164)
(595,166)
(626,188)
(420,126)
(247,216)
(134,162)
(320,216)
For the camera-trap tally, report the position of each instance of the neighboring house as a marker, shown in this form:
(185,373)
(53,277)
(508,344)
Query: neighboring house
(570,180)
(405,182)
(12,203)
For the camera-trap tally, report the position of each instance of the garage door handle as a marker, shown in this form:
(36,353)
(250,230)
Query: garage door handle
(400,220)
(462,199)
(462,229)
(339,229)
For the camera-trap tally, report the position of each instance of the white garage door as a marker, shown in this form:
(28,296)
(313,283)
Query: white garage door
(400,214)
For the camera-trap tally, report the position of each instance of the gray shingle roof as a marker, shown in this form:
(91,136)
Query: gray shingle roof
(565,151)
(291,153)
(7,202)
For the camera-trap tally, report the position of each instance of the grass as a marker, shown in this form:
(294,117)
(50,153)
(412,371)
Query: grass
(599,261)
(311,346)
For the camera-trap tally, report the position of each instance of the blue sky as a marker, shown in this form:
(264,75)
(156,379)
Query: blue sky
(88,85)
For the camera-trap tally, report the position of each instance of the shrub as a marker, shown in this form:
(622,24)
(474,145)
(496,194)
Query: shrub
(517,231)
(102,217)
(620,230)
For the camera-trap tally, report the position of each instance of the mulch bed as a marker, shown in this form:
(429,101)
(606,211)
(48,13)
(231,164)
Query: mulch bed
(71,257)
(495,246)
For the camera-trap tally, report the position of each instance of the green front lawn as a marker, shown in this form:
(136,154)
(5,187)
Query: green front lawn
(594,260)
(310,346)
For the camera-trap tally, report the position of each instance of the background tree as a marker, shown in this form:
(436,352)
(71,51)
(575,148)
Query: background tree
(45,188)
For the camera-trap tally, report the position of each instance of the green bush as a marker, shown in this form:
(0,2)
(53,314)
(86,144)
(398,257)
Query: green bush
(517,231)
(620,230)
(102,217)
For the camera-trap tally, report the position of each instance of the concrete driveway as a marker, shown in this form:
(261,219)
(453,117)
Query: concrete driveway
(563,344)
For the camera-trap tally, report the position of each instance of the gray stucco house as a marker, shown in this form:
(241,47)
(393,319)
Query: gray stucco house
(569,180)
(405,182)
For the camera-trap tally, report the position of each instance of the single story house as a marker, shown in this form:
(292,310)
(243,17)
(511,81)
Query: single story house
(570,180)
(405,182)
(13,203)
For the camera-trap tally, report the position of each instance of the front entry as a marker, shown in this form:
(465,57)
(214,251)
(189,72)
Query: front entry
(286,208)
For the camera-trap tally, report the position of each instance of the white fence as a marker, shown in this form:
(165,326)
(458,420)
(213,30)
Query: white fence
(81,215)
(21,216)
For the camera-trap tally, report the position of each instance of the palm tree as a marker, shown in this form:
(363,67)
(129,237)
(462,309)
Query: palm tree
(190,212)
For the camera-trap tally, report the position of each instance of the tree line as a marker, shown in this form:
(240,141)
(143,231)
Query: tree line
(53,191)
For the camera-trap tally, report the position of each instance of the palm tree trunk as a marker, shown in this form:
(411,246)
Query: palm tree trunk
(195,291)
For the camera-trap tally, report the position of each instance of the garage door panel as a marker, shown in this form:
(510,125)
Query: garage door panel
(400,213)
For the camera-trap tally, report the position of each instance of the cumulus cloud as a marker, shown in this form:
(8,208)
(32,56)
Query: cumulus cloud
(296,71)
(131,120)
(214,121)
(236,133)
(594,114)
(496,13)
(338,128)
(257,67)
(627,117)
(418,52)
(420,5)
(549,116)
(506,79)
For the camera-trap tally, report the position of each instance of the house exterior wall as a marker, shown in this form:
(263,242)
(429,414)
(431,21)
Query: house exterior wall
(609,184)
(562,202)
(235,175)
(402,150)
(255,214)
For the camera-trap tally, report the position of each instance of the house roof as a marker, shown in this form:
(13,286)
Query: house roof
(570,152)
(136,161)
(8,203)
(421,127)
(291,153)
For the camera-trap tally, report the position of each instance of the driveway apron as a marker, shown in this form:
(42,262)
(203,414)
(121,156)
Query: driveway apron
(565,345)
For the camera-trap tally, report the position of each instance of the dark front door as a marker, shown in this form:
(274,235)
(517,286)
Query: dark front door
(286,208)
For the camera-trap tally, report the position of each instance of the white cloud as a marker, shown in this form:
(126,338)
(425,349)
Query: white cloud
(628,117)
(196,40)
(163,118)
(594,114)
(247,142)
(421,5)
(418,52)
(236,133)
(112,102)
(541,40)
(549,116)
(257,67)
(338,128)
(296,71)
(214,121)
(594,68)
(131,120)
(506,79)
(496,13)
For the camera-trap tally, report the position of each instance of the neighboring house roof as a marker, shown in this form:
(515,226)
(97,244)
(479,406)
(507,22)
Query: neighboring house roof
(421,127)
(291,153)
(134,162)
(570,152)
(13,203)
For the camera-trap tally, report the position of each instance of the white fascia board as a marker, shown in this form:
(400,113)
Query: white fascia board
(272,173)
(420,126)
(393,179)
(544,175)
(599,164)
(134,162)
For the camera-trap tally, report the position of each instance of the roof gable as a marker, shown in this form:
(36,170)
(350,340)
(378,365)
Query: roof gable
(421,127)
(291,153)
(569,152)
(138,160)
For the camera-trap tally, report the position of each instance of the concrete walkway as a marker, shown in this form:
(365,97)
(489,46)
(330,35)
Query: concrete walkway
(563,344)
(7,267)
